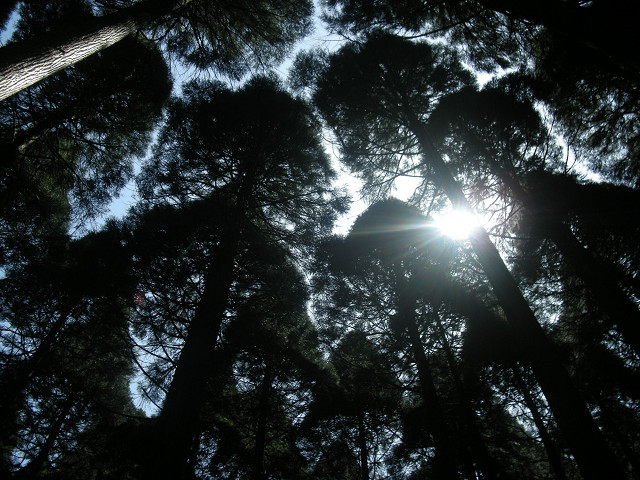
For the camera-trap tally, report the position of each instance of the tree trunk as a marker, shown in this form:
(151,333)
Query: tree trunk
(445,465)
(593,456)
(261,430)
(178,422)
(478,446)
(445,457)
(25,63)
(609,297)
(362,444)
(555,460)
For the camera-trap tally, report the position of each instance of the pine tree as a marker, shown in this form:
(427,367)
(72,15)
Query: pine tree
(376,85)
(255,155)
(227,37)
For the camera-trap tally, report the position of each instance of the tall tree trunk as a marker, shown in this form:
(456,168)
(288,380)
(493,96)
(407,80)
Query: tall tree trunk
(362,444)
(445,456)
(609,297)
(592,453)
(25,63)
(478,446)
(178,422)
(555,460)
(257,472)
(446,464)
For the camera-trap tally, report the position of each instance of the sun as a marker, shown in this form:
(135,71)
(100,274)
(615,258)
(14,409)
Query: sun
(456,224)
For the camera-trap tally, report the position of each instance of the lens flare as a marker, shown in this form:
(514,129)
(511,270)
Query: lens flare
(456,224)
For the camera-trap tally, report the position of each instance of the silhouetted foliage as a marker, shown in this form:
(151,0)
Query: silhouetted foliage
(261,344)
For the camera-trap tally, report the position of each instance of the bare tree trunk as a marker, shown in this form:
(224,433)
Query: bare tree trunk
(609,297)
(362,443)
(25,63)
(446,464)
(178,422)
(592,453)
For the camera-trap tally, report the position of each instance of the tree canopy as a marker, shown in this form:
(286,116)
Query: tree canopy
(254,314)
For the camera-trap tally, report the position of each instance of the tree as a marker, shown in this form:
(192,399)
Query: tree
(589,83)
(337,461)
(69,143)
(227,37)
(395,278)
(251,424)
(255,154)
(359,399)
(67,357)
(383,229)
(508,142)
(397,108)
(509,27)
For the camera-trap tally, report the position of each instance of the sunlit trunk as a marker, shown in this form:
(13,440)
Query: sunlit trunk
(24,63)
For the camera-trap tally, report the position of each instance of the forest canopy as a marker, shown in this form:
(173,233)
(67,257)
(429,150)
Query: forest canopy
(281,299)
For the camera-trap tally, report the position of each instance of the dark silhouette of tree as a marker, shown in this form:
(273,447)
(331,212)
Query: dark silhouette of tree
(490,352)
(251,422)
(364,294)
(270,349)
(589,83)
(67,358)
(368,97)
(494,31)
(336,461)
(360,399)
(68,144)
(385,228)
(383,234)
(256,155)
(509,145)
(229,37)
